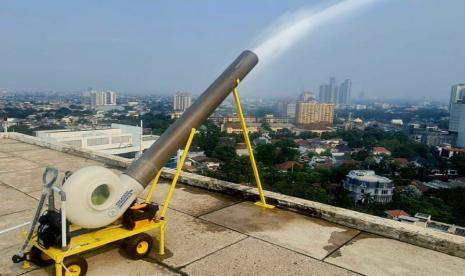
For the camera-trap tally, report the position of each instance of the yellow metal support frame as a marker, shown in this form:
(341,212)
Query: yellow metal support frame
(94,239)
(152,188)
(178,172)
(112,233)
(245,132)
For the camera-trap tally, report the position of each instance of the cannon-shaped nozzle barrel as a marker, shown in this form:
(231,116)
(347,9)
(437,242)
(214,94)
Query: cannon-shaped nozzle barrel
(143,170)
(96,196)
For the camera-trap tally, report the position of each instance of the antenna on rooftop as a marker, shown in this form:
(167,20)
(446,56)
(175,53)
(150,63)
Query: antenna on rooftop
(5,123)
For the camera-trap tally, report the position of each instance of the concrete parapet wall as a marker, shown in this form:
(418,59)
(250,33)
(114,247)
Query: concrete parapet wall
(427,238)
(424,237)
(108,159)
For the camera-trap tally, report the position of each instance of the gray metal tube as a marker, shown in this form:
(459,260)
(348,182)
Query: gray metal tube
(143,170)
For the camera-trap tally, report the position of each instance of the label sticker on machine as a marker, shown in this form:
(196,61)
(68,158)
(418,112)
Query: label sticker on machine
(124,198)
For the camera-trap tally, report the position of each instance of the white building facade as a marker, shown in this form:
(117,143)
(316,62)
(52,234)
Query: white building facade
(366,185)
(119,139)
(101,98)
(182,101)
(457,94)
(457,123)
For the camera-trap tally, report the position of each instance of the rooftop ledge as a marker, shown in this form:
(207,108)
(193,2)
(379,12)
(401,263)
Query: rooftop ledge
(423,237)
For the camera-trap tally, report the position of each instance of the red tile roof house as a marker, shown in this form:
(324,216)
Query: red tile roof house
(380,150)
(449,152)
(288,165)
(403,162)
(301,142)
(241,149)
(395,214)
(420,186)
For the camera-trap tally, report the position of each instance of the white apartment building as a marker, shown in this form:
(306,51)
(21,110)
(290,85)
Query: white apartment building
(457,94)
(366,185)
(457,122)
(182,101)
(101,98)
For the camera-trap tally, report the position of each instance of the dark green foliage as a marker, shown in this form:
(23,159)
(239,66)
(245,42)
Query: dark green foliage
(458,163)
(307,135)
(272,154)
(224,153)
(325,185)
(396,142)
(262,111)
(21,129)
(17,113)
(361,155)
(236,170)
(433,114)
(207,138)
(266,126)
(453,200)
(62,112)
(266,154)
(283,133)
(157,122)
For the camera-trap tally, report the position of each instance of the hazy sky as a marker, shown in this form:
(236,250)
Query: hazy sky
(395,49)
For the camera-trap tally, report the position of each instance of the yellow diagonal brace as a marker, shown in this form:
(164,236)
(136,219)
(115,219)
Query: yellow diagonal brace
(152,188)
(245,132)
(178,172)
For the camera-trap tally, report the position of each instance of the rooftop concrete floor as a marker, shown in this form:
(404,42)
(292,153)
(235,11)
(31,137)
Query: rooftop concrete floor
(214,234)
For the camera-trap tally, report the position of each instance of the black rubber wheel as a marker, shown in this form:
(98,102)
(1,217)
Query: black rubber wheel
(76,264)
(39,258)
(138,246)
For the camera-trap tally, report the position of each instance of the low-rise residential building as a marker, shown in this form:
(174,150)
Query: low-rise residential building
(380,150)
(395,214)
(448,152)
(288,166)
(366,185)
(325,161)
(438,184)
(429,135)
(119,139)
(237,128)
(398,122)
(241,149)
(314,112)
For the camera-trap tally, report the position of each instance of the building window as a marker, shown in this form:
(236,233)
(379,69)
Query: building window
(98,141)
(384,192)
(120,139)
(376,191)
(362,191)
(74,143)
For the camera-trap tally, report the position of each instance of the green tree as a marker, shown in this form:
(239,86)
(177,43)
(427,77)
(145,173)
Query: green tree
(266,126)
(267,154)
(326,153)
(157,122)
(317,194)
(361,155)
(62,112)
(224,153)
(458,163)
(330,135)
(208,137)
(21,128)
(307,135)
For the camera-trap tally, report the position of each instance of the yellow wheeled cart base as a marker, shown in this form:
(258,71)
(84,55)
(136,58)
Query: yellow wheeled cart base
(97,238)
(84,240)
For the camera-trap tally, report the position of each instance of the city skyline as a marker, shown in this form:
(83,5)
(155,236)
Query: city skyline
(382,59)
(150,137)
